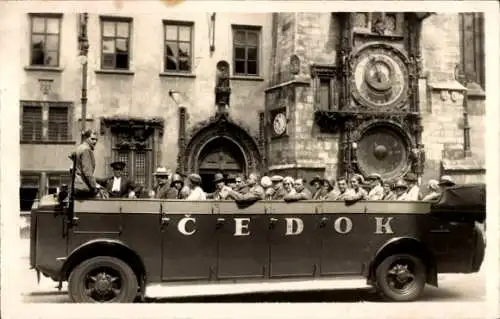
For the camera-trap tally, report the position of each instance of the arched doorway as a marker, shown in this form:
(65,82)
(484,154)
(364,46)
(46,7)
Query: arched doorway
(219,155)
(219,144)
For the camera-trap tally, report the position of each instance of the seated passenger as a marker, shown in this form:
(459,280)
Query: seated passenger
(240,185)
(278,190)
(118,186)
(358,193)
(194,181)
(343,193)
(446,181)
(220,186)
(376,190)
(288,185)
(267,185)
(334,193)
(255,191)
(434,192)
(162,186)
(400,189)
(141,192)
(176,185)
(326,188)
(231,181)
(413,192)
(388,193)
(316,183)
(301,192)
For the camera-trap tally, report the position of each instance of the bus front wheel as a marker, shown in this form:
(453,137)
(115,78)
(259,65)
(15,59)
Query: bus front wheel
(401,277)
(102,279)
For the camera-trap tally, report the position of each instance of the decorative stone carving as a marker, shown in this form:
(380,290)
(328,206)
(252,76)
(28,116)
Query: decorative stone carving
(294,64)
(445,95)
(220,125)
(222,85)
(131,132)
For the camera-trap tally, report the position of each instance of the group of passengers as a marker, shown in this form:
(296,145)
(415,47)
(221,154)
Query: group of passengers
(170,185)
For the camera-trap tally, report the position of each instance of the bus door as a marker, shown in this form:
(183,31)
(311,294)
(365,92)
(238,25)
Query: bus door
(295,242)
(242,236)
(188,240)
(345,236)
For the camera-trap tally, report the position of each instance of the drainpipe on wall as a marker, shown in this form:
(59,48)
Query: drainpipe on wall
(462,78)
(84,50)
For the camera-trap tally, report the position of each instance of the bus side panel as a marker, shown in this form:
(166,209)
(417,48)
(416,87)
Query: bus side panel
(50,243)
(295,250)
(189,245)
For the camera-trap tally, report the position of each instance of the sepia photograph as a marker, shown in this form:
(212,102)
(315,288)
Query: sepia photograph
(176,156)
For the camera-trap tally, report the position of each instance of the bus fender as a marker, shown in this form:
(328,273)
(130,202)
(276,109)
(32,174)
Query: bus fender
(405,245)
(105,247)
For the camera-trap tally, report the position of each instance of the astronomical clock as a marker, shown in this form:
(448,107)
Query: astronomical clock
(378,115)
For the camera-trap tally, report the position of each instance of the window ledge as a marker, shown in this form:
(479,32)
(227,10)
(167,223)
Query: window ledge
(43,68)
(49,142)
(247,78)
(177,74)
(115,72)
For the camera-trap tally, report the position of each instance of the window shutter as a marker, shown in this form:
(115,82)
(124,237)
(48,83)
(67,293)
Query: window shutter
(32,123)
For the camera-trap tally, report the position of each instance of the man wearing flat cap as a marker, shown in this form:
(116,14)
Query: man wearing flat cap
(254,193)
(194,181)
(118,186)
(376,189)
(279,192)
(413,192)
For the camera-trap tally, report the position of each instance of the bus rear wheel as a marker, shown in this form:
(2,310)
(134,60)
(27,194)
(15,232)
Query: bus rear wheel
(401,277)
(102,279)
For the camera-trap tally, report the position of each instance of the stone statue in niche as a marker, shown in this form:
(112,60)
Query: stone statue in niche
(379,26)
(222,86)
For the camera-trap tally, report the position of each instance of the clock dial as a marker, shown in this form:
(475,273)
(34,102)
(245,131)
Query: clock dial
(279,123)
(382,151)
(380,78)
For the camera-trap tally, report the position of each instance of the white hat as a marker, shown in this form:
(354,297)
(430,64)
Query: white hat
(266,182)
(162,171)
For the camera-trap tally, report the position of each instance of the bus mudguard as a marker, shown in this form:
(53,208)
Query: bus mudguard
(405,245)
(104,247)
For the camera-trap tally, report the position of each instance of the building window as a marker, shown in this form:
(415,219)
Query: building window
(55,116)
(115,51)
(324,87)
(55,180)
(246,50)
(45,37)
(32,123)
(28,192)
(178,46)
(472,46)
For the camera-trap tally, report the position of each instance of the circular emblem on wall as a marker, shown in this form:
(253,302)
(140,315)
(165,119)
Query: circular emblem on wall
(384,151)
(380,77)
(279,124)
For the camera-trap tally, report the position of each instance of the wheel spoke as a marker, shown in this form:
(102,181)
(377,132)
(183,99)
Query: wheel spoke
(93,278)
(116,291)
(88,291)
(113,279)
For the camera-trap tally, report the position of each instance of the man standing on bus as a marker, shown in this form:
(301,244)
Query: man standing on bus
(85,185)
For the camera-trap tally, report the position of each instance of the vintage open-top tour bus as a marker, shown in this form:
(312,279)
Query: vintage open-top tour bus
(112,250)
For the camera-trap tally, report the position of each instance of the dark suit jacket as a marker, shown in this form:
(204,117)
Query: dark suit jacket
(126,186)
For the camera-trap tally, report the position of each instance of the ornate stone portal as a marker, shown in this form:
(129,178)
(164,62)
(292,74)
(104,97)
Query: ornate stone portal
(378,113)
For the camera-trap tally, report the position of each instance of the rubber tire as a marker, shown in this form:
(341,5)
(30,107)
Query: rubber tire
(128,278)
(387,292)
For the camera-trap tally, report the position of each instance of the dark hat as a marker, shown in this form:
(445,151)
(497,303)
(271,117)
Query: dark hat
(315,179)
(218,177)
(400,184)
(277,178)
(231,178)
(410,177)
(195,178)
(373,176)
(446,180)
(177,179)
(118,165)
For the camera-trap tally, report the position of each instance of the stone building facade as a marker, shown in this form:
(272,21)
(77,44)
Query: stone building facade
(337,123)
(200,92)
